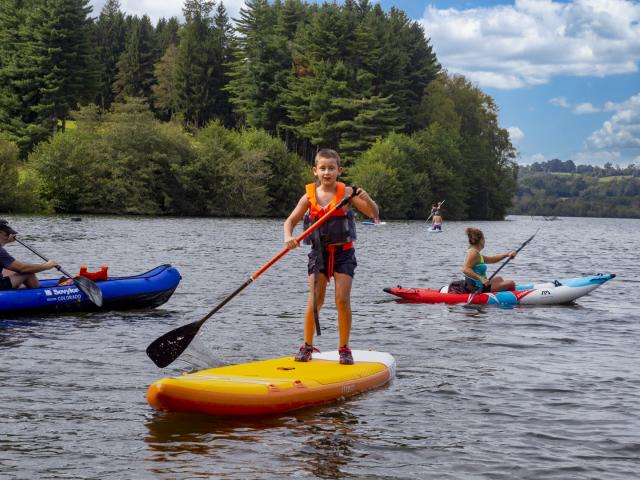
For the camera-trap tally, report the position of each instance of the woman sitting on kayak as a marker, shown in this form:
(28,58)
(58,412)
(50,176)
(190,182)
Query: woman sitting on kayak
(475,266)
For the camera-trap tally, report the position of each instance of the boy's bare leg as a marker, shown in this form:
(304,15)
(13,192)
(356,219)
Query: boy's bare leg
(343,305)
(309,321)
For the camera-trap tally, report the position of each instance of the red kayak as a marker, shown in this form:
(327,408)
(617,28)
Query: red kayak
(549,293)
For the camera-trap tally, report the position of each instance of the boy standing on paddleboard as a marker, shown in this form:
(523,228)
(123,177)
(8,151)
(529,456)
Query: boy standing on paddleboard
(332,252)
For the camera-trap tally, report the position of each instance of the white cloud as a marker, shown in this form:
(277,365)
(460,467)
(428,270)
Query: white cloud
(583,108)
(622,130)
(598,158)
(618,139)
(167,8)
(513,46)
(587,107)
(560,102)
(515,134)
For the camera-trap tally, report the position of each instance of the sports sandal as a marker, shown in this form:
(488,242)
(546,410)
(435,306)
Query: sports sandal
(305,352)
(345,356)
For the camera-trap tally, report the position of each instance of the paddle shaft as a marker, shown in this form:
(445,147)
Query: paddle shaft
(85,285)
(43,257)
(479,289)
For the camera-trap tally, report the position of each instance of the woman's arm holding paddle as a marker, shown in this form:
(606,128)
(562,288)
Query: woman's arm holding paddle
(293,219)
(500,257)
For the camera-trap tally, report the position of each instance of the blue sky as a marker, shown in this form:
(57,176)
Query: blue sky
(564,74)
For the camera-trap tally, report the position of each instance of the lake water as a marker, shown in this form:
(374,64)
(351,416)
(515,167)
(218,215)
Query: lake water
(529,392)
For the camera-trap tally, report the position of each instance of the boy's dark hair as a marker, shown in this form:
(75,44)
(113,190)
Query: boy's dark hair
(327,153)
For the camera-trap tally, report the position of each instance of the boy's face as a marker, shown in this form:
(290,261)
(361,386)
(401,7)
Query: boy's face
(327,170)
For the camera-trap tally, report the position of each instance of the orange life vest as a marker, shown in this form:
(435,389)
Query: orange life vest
(340,228)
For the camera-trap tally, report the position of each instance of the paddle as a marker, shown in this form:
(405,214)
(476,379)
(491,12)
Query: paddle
(86,286)
(479,289)
(431,214)
(167,348)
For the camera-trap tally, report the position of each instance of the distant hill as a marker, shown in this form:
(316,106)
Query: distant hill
(562,188)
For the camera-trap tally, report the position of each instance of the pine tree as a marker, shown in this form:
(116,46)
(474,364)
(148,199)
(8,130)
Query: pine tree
(166,35)
(52,68)
(320,106)
(16,93)
(110,41)
(255,85)
(224,44)
(421,68)
(196,64)
(374,118)
(134,77)
(65,55)
(165,95)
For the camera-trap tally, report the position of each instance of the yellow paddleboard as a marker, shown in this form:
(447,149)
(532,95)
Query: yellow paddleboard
(272,386)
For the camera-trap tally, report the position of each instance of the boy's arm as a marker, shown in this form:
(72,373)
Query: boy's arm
(364,203)
(293,219)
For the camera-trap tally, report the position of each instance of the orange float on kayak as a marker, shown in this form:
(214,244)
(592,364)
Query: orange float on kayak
(272,386)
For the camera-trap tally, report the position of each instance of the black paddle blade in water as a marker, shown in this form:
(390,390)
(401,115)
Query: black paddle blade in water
(90,289)
(167,348)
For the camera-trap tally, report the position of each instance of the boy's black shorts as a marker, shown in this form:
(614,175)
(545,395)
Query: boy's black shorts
(344,261)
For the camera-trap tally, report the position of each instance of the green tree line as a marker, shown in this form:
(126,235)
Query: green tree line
(186,117)
(568,166)
(580,195)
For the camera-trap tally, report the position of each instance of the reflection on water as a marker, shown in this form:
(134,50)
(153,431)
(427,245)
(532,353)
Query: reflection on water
(526,392)
(320,439)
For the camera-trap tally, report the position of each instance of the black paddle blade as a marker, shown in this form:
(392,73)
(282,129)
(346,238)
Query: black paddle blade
(90,289)
(473,306)
(166,349)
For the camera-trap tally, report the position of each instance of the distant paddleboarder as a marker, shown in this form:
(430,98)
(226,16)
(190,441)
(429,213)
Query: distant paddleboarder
(437,221)
(435,207)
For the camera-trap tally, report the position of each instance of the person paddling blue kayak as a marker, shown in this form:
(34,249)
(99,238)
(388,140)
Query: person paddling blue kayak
(14,273)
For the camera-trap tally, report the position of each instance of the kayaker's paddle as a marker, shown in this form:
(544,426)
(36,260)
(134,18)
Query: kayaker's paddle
(431,214)
(86,286)
(479,289)
(167,348)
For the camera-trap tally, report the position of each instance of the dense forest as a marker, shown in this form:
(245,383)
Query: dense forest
(207,116)
(557,188)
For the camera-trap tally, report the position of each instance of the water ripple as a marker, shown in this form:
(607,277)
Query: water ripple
(527,393)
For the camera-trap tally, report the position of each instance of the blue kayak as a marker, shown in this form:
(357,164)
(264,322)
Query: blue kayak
(147,290)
